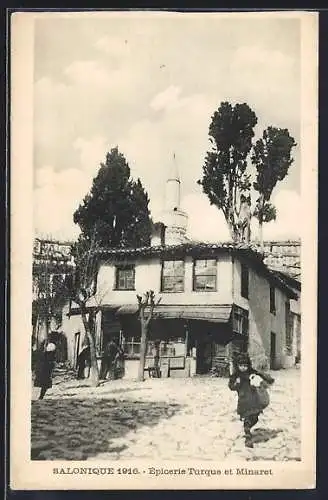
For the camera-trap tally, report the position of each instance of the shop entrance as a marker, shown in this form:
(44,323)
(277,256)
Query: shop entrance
(205,350)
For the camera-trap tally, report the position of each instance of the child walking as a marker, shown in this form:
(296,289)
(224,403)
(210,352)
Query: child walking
(251,386)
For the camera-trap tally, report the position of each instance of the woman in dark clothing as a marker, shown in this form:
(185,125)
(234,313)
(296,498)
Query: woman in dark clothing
(44,367)
(111,354)
(83,360)
(251,386)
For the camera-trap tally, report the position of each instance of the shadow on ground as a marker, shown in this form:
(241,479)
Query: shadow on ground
(76,429)
(264,435)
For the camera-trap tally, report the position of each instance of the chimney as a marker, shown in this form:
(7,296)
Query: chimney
(158,234)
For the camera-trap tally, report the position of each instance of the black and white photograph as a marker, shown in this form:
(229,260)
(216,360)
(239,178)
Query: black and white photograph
(164,197)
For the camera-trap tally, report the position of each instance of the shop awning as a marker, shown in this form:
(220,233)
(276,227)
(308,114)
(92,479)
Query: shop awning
(214,313)
(127,309)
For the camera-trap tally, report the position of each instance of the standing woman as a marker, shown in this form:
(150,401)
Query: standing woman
(44,368)
(83,359)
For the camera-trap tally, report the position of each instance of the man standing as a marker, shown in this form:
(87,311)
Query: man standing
(111,354)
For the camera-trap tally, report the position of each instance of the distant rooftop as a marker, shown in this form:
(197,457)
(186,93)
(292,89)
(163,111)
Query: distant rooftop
(284,256)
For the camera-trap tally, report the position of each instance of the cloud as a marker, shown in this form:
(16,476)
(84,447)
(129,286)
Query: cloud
(50,99)
(250,58)
(116,47)
(91,152)
(149,146)
(45,176)
(258,76)
(88,73)
(205,221)
(166,99)
(290,217)
(56,197)
(151,87)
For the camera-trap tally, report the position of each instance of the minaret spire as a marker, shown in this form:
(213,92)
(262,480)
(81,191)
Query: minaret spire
(174,170)
(174,218)
(173,186)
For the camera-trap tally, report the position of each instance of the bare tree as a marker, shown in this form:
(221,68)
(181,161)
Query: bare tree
(50,291)
(146,305)
(83,289)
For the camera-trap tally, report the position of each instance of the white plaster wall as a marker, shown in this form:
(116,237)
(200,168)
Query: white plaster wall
(148,277)
(261,321)
(278,325)
(70,326)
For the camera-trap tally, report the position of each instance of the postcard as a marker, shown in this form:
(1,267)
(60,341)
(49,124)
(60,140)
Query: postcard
(163,271)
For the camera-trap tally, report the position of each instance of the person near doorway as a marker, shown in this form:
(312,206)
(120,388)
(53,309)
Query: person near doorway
(251,386)
(112,353)
(119,362)
(155,371)
(83,359)
(44,368)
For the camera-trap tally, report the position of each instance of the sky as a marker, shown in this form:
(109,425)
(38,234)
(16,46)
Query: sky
(149,84)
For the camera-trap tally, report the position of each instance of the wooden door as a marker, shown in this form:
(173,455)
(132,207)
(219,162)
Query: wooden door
(273,351)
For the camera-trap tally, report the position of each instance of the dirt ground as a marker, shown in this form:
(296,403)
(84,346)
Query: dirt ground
(162,419)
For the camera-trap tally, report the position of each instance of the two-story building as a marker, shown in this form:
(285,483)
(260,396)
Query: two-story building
(214,299)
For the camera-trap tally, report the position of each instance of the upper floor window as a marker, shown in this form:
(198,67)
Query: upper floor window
(272,299)
(125,278)
(205,275)
(244,281)
(240,321)
(173,276)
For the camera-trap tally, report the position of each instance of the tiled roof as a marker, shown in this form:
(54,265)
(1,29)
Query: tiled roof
(292,281)
(190,247)
(249,252)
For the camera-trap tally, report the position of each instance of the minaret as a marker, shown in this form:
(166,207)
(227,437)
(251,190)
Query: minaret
(175,219)
(172,198)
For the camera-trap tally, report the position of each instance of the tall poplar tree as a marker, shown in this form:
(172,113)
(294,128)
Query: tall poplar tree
(225,179)
(272,158)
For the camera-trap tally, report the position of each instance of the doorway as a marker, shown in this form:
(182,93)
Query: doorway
(204,357)
(273,351)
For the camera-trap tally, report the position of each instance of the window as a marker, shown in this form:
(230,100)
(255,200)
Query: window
(244,281)
(173,276)
(132,347)
(125,278)
(205,275)
(272,300)
(169,347)
(240,320)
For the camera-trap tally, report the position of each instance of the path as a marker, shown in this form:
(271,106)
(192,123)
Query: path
(164,419)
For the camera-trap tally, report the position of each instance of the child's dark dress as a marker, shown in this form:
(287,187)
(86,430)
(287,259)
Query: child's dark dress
(250,403)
